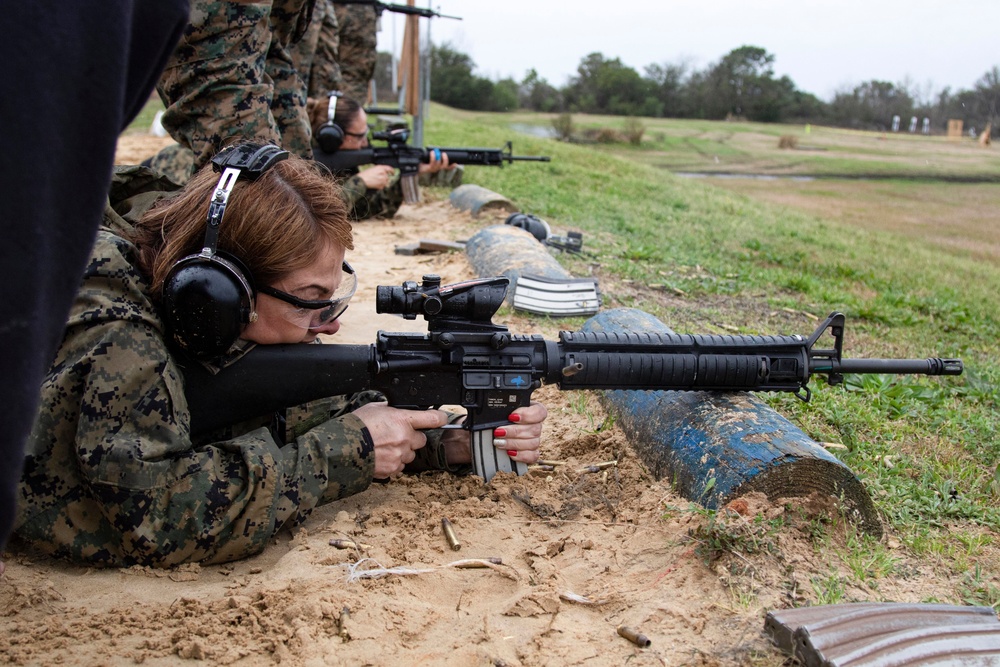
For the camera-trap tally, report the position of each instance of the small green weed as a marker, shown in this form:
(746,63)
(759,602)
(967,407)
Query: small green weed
(867,558)
(829,589)
(725,531)
(580,404)
(978,590)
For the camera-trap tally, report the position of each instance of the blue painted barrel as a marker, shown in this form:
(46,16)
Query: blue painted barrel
(715,447)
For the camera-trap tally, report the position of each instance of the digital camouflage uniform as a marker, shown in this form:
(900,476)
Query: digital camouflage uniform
(364,203)
(111,475)
(231,77)
(315,55)
(358,49)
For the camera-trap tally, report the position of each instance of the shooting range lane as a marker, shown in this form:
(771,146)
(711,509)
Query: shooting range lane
(592,551)
(717,447)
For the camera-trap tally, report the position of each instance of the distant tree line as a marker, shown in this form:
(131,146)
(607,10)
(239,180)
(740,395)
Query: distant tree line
(741,85)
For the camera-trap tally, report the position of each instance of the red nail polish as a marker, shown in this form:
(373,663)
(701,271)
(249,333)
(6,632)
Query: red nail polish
(499,432)
(511,453)
(515,418)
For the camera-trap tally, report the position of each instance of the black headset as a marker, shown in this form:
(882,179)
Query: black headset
(330,135)
(209,297)
(530,223)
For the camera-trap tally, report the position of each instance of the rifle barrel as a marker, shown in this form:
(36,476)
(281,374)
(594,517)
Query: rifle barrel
(930,366)
(385,111)
(399,9)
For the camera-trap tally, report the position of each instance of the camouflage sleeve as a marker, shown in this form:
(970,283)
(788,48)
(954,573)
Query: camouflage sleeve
(214,86)
(366,203)
(390,199)
(111,474)
(353,190)
(430,457)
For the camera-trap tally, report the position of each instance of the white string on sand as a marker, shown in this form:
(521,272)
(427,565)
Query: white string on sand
(377,570)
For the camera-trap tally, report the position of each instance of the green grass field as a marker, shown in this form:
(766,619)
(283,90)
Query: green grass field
(912,263)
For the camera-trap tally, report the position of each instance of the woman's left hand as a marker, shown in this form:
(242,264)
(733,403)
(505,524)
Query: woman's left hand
(520,439)
(438,162)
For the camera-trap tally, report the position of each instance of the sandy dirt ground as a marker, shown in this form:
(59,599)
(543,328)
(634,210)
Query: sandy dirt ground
(577,553)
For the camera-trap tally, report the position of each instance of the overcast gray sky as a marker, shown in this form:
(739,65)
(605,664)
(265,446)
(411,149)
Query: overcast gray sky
(823,47)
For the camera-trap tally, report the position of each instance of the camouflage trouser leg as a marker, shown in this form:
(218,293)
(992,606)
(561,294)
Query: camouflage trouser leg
(290,21)
(288,105)
(315,55)
(358,49)
(325,76)
(215,86)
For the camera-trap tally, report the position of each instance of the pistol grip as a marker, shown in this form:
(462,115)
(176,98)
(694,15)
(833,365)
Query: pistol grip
(487,460)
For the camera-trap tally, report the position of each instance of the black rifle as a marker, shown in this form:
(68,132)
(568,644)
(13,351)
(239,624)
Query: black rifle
(399,154)
(465,359)
(399,9)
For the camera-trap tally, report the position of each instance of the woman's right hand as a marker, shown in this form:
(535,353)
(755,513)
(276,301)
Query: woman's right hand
(377,177)
(397,434)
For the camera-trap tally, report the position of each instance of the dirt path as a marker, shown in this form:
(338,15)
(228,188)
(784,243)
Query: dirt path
(580,555)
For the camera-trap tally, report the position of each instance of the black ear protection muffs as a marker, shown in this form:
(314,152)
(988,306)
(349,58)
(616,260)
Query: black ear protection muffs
(530,223)
(209,297)
(330,135)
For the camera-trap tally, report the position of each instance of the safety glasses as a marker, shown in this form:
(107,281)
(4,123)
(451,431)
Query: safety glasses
(359,135)
(315,314)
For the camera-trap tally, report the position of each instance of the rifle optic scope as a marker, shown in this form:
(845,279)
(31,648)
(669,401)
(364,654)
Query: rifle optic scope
(397,135)
(472,301)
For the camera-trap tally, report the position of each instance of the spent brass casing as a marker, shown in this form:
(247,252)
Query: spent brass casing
(598,467)
(474,563)
(345,615)
(349,544)
(634,636)
(449,534)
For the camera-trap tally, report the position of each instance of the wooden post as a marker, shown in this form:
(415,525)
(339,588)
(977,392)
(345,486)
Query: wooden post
(955,129)
(410,62)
